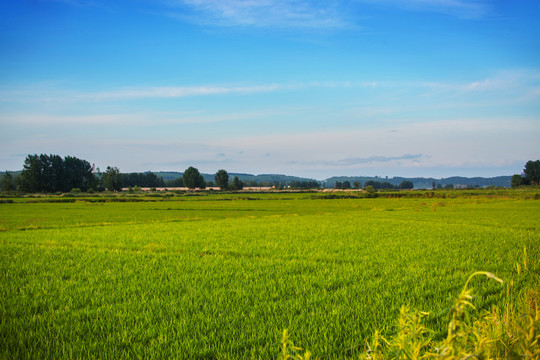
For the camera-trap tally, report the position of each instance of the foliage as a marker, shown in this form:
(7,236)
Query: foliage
(237,184)
(8,183)
(192,179)
(222,179)
(406,184)
(148,179)
(51,173)
(112,179)
(479,335)
(371,192)
(380,185)
(532,172)
(306,184)
(178,182)
(517,180)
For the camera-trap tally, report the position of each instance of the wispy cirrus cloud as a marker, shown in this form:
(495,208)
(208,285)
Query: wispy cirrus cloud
(333,14)
(466,9)
(513,85)
(40,93)
(176,92)
(261,13)
(52,94)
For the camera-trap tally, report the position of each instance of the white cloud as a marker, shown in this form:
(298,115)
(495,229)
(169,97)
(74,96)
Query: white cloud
(331,14)
(131,119)
(51,94)
(467,9)
(262,13)
(174,92)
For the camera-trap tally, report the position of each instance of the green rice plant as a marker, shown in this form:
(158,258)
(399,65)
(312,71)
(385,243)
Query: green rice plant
(214,276)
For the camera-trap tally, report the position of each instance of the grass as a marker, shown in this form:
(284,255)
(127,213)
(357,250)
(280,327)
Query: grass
(221,276)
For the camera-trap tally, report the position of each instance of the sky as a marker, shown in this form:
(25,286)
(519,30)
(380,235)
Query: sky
(320,88)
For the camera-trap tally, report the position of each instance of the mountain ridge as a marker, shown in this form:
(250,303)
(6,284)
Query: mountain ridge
(418,182)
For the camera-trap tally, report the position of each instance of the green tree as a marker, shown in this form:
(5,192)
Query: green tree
(357,185)
(516,181)
(406,184)
(7,182)
(77,174)
(532,172)
(346,184)
(193,179)
(222,179)
(237,184)
(51,173)
(178,182)
(43,173)
(202,183)
(371,192)
(112,179)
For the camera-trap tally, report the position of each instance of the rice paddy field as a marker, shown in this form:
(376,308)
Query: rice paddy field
(220,276)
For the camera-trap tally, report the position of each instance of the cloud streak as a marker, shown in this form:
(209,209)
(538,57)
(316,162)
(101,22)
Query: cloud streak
(308,14)
(261,13)
(466,9)
(162,92)
(517,81)
(175,92)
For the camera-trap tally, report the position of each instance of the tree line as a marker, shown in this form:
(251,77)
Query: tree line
(530,176)
(377,185)
(51,174)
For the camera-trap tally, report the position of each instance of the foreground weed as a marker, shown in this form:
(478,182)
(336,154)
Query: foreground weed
(289,351)
(464,340)
(509,334)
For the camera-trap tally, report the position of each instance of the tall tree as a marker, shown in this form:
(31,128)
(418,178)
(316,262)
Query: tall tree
(7,182)
(516,181)
(77,174)
(192,178)
(42,173)
(222,179)
(237,184)
(532,172)
(51,173)
(31,176)
(112,179)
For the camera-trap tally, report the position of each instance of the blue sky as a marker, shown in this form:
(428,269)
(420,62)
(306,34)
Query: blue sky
(430,88)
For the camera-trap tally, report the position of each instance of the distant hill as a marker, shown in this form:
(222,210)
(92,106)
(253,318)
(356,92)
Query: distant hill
(426,183)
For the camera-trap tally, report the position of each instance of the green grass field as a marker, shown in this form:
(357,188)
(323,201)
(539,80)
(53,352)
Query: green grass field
(221,276)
